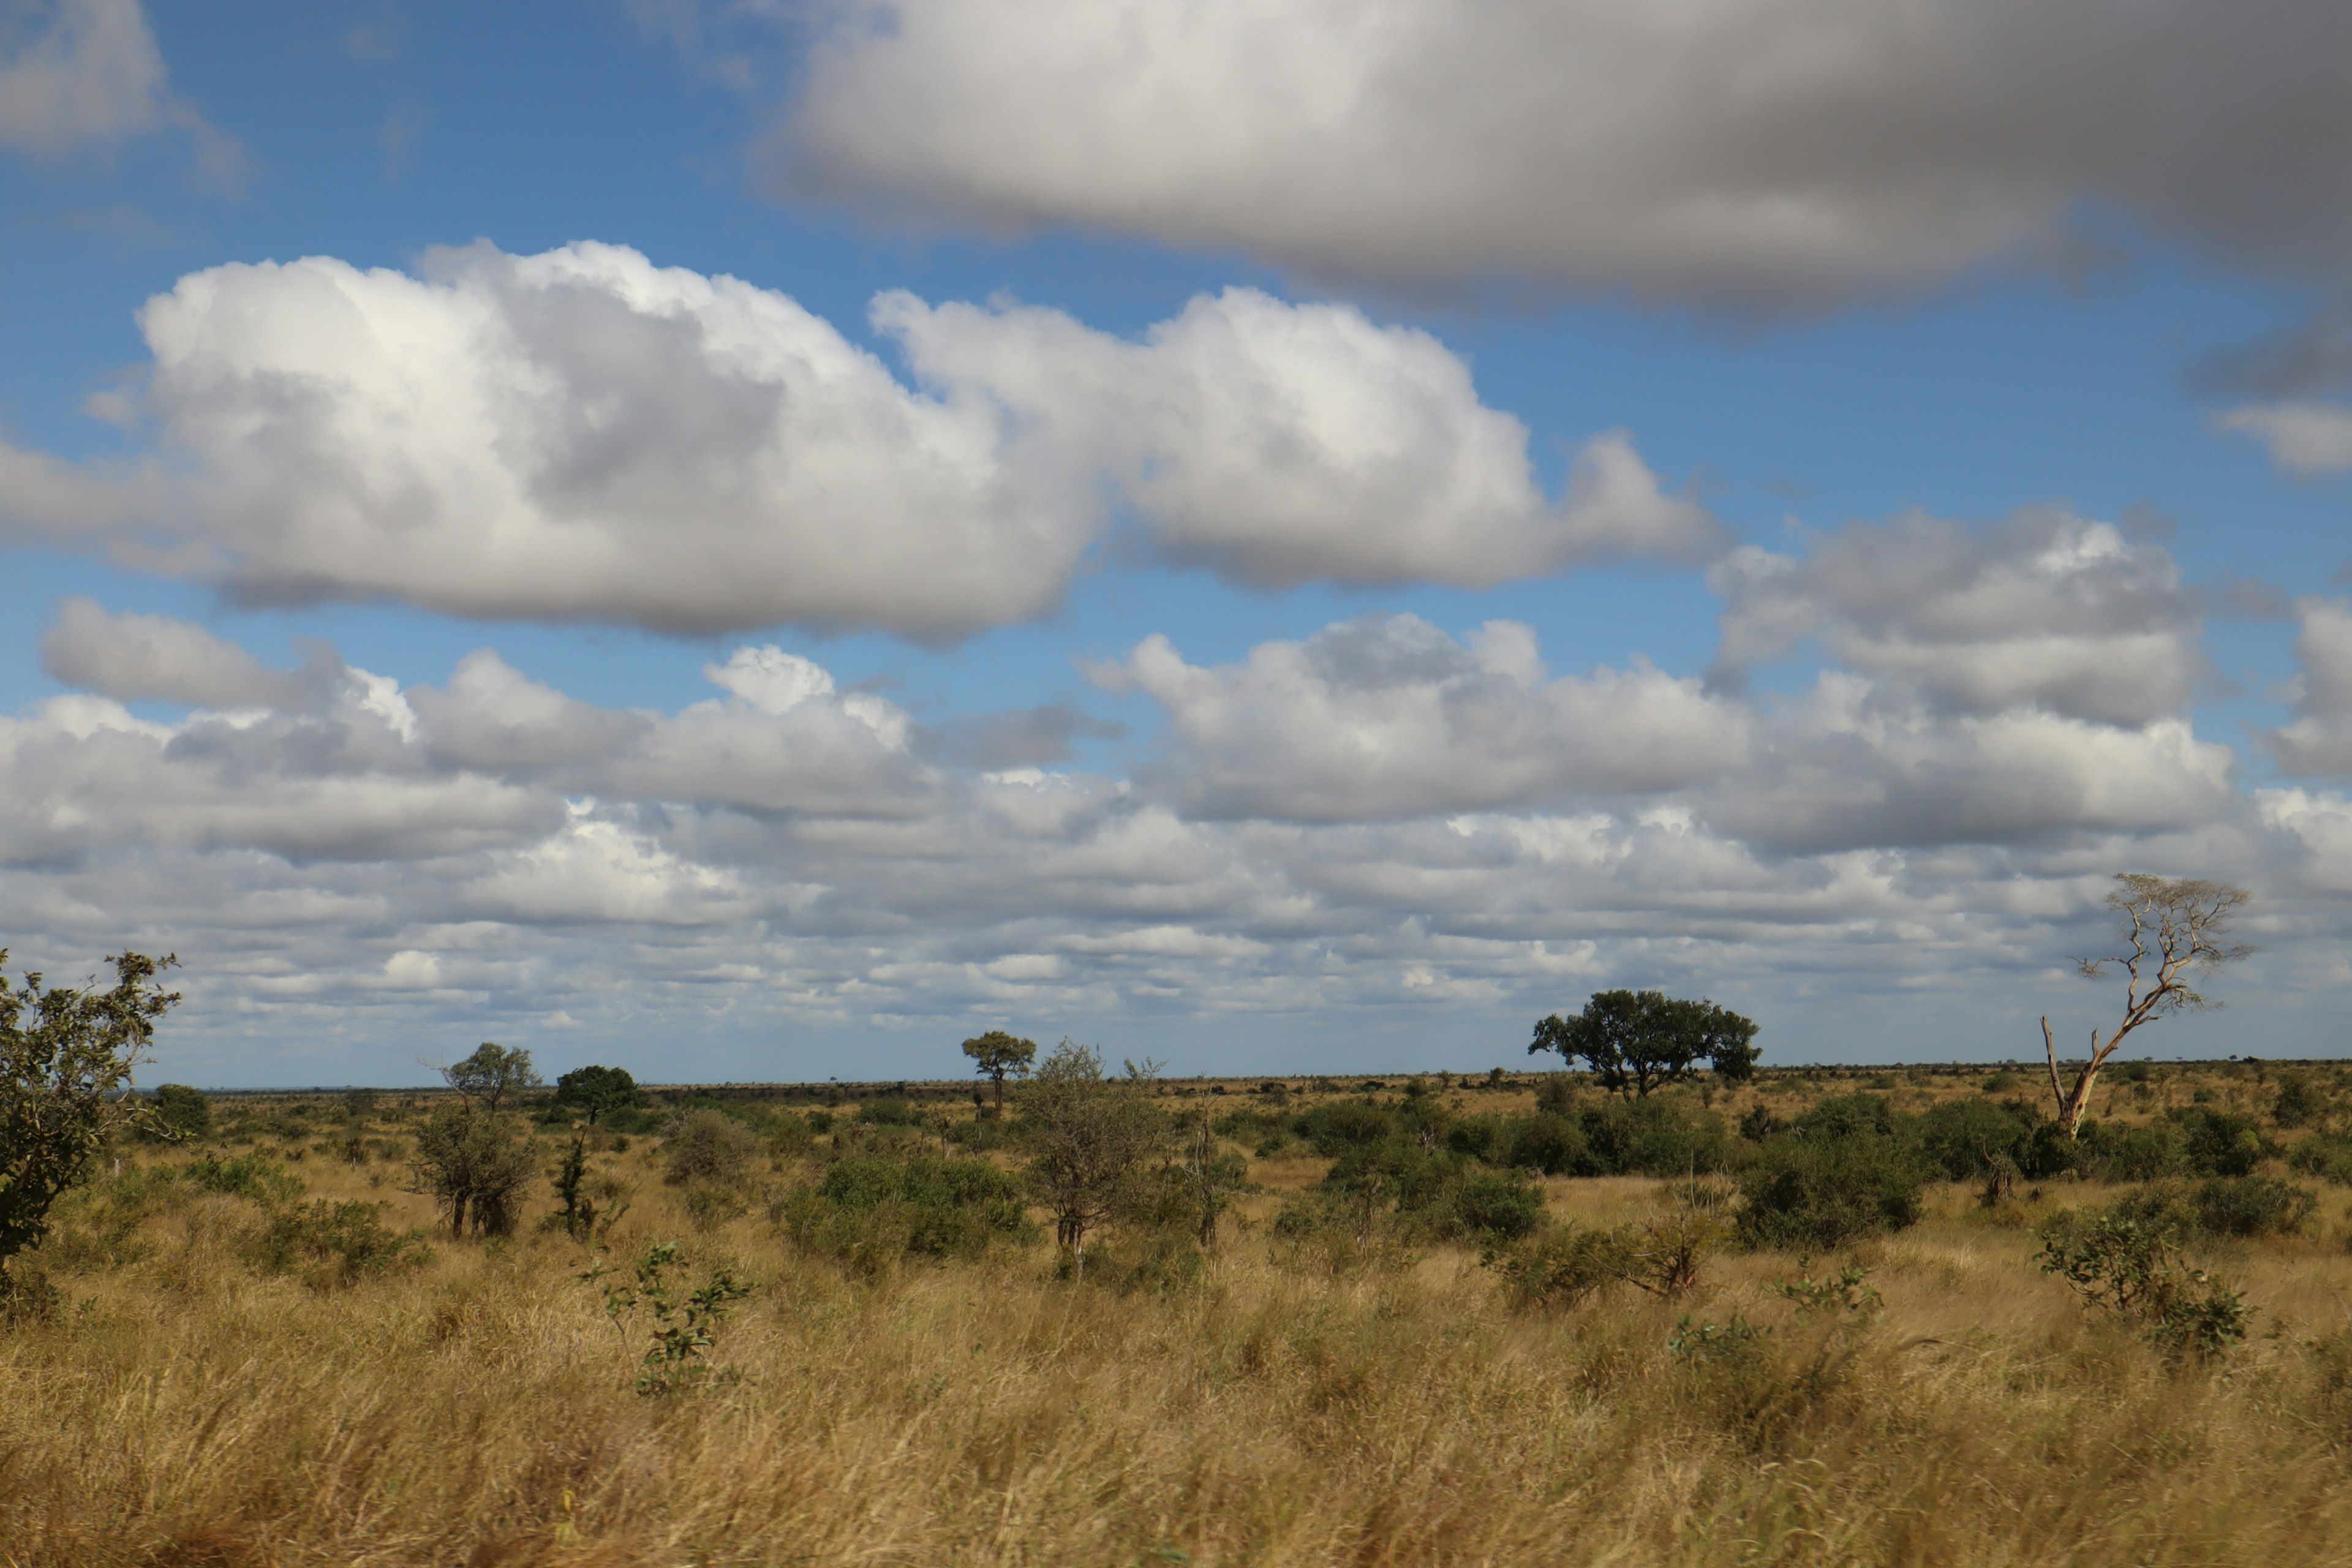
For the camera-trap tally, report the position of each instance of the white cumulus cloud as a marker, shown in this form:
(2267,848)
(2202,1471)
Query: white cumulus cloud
(584,436)
(1774,152)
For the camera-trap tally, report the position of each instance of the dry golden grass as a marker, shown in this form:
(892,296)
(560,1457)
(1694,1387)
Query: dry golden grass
(186,1410)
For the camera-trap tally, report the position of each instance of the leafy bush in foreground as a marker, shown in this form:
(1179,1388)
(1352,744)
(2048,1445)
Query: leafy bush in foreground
(333,1244)
(1815,1194)
(2136,1271)
(871,1211)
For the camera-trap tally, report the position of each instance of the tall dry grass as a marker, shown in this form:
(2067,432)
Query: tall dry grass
(185,1409)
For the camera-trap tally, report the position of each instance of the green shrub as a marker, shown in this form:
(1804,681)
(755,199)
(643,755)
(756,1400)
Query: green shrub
(2220,1205)
(1336,1127)
(181,1113)
(255,1176)
(708,1147)
(1495,1205)
(2324,1154)
(1847,1116)
(871,1211)
(1654,1136)
(1812,1195)
(1562,1267)
(2122,1153)
(1966,1139)
(1552,1144)
(2220,1144)
(2299,1102)
(2136,1271)
(333,1244)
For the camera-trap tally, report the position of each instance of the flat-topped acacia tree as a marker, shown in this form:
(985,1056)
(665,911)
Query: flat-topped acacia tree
(998,1054)
(1636,1041)
(2173,930)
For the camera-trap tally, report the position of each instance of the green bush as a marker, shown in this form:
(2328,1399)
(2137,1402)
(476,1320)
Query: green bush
(1552,1144)
(2324,1154)
(871,1211)
(333,1244)
(2136,1271)
(2220,1205)
(1656,1136)
(254,1176)
(181,1113)
(2220,1144)
(708,1147)
(1495,1205)
(1333,1129)
(1965,1139)
(1813,1193)
(1847,1116)
(2122,1153)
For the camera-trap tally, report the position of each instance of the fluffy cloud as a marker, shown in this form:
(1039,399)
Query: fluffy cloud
(2308,435)
(1379,816)
(1392,718)
(130,657)
(2045,610)
(581,434)
(78,72)
(1780,153)
(1280,445)
(2319,737)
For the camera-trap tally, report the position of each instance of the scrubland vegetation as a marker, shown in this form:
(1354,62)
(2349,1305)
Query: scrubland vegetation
(1882,1316)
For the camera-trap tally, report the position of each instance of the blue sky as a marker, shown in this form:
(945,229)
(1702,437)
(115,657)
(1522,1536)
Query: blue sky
(1352,536)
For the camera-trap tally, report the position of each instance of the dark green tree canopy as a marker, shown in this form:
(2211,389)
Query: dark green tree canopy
(596,1089)
(1636,1041)
(997,1054)
(66,1054)
(181,1112)
(492,1075)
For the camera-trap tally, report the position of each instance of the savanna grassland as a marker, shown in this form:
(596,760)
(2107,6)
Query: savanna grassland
(262,1347)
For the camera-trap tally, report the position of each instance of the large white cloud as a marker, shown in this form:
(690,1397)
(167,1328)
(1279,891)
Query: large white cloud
(1280,445)
(1381,816)
(2319,739)
(1392,718)
(2045,610)
(582,434)
(1746,151)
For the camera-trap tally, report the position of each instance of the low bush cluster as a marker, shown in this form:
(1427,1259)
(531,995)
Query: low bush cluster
(872,1212)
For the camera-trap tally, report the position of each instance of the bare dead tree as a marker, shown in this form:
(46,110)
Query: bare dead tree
(2172,930)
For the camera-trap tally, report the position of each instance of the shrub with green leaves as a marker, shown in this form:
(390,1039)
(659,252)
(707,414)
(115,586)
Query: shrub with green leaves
(682,1327)
(475,1163)
(873,1212)
(2323,1154)
(2218,1144)
(2136,1270)
(334,1244)
(709,1147)
(2243,1207)
(1657,1135)
(256,1176)
(66,1054)
(1817,1193)
(181,1113)
(1966,1140)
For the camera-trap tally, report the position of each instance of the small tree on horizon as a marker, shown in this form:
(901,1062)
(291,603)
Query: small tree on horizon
(491,1074)
(597,1089)
(999,1054)
(2172,928)
(1636,1041)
